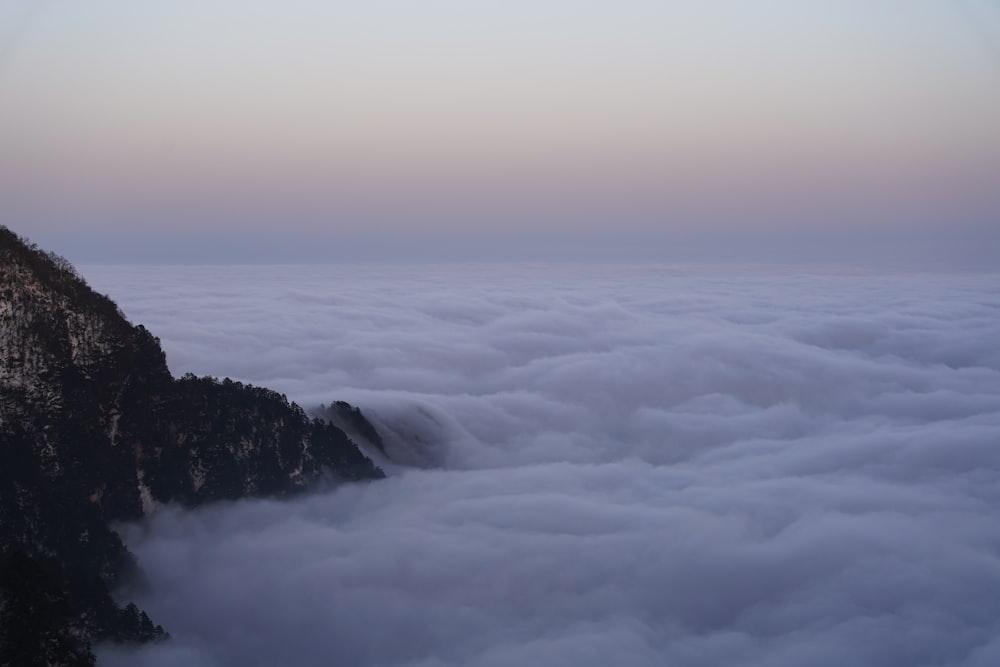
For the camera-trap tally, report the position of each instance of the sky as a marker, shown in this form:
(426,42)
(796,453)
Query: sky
(631,465)
(306,130)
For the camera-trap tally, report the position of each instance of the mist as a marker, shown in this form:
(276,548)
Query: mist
(932,240)
(594,464)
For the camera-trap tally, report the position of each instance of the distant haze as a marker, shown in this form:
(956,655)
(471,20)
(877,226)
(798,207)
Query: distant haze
(141,127)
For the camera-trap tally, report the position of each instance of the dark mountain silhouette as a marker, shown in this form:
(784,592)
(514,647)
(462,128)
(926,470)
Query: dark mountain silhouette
(93,430)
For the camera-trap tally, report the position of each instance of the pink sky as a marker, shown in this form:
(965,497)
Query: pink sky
(486,118)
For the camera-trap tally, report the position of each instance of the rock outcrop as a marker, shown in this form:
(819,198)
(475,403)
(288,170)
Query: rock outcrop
(94,430)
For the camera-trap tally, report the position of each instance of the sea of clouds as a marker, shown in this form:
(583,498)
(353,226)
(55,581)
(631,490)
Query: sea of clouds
(594,465)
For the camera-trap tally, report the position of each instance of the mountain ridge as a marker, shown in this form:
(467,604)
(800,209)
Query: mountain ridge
(94,429)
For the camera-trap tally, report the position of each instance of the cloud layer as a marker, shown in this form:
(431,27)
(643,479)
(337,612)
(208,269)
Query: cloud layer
(596,465)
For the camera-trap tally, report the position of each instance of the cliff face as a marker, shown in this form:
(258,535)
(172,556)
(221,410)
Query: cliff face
(93,429)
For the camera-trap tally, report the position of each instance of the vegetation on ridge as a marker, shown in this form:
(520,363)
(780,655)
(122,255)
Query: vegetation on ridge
(94,429)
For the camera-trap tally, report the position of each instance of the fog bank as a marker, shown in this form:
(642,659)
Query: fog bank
(596,465)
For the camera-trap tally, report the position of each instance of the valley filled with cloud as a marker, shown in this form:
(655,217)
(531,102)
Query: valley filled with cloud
(594,465)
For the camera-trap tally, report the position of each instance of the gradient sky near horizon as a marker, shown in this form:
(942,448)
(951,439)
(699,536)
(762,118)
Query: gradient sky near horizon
(479,118)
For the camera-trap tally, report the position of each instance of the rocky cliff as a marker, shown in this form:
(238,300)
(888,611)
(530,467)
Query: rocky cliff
(94,429)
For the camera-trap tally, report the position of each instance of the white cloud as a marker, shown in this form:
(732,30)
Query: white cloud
(621,465)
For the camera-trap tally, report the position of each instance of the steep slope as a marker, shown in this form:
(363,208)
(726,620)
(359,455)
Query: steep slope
(94,429)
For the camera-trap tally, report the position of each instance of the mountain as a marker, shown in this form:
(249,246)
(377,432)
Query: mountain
(94,429)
